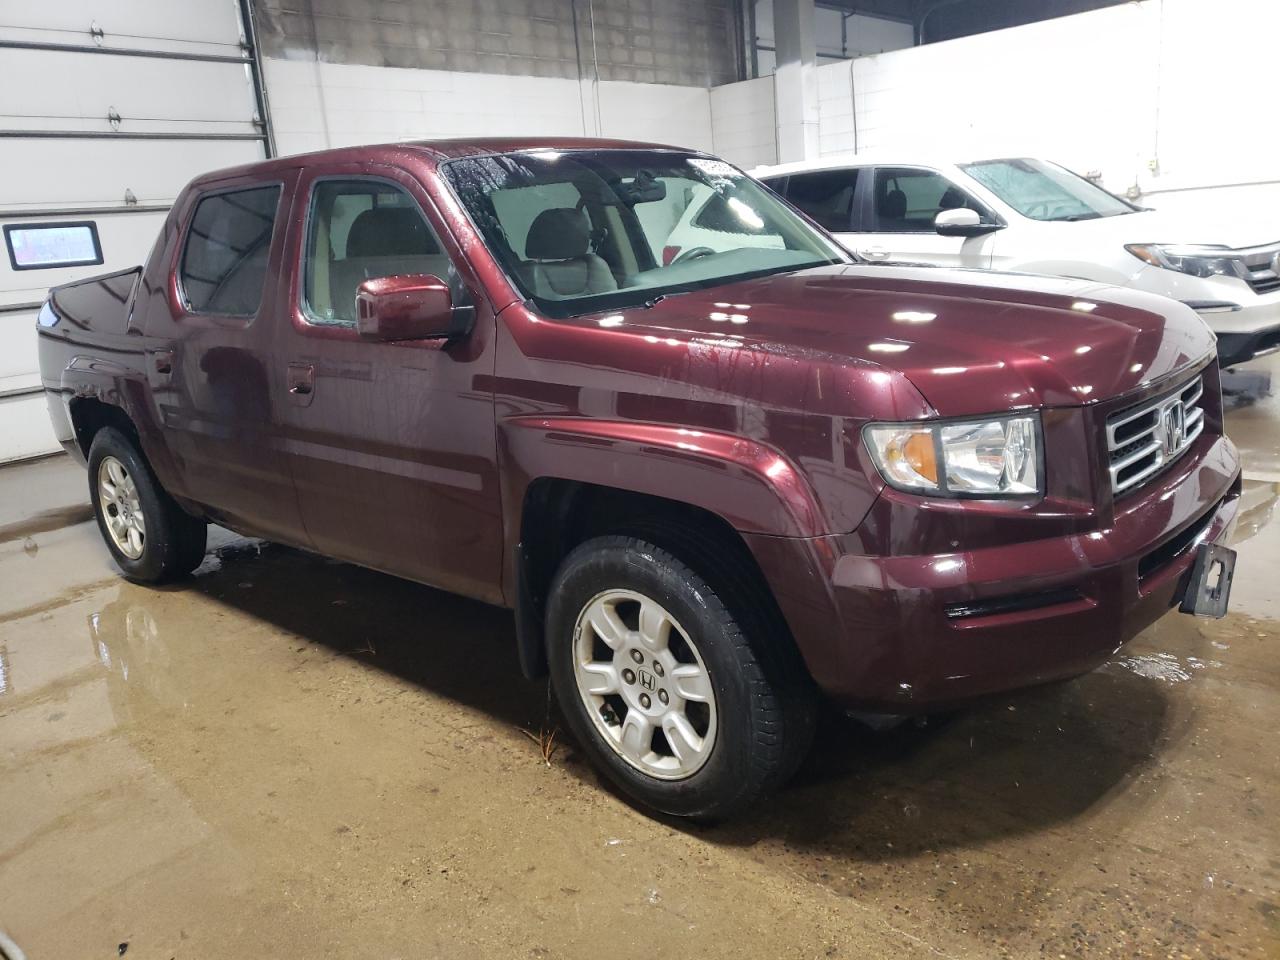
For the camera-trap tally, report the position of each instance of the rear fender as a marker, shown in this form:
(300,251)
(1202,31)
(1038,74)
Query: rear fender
(121,384)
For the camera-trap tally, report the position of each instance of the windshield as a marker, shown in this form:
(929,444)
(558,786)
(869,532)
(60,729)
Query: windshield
(1045,191)
(583,231)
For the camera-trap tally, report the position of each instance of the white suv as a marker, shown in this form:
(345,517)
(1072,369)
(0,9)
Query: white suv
(1036,217)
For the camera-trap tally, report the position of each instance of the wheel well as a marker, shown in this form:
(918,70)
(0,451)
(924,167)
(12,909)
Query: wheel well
(88,416)
(558,515)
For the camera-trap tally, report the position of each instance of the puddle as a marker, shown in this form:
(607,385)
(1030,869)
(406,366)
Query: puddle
(1159,666)
(1257,509)
(46,521)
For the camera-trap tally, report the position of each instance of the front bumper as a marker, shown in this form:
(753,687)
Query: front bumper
(915,633)
(1247,325)
(1234,348)
(1246,322)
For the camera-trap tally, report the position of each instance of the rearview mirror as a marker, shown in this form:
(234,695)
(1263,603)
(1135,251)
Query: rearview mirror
(642,188)
(407,307)
(961,222)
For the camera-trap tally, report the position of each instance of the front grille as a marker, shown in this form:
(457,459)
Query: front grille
(1144,439)
(1260,262)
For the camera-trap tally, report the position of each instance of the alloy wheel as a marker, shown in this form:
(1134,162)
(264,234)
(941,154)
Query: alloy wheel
(644,684)
(121,508)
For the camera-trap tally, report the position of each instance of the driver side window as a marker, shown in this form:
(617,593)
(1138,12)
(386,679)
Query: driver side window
(907,199)
(361,230)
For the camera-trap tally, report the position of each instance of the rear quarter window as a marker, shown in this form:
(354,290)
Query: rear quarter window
(224,263)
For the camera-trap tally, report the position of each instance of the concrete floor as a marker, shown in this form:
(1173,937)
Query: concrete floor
(289,757)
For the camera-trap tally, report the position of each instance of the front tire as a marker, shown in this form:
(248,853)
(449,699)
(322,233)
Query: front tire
(661,683)
(151,538)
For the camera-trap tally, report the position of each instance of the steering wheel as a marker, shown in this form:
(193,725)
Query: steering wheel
(1042,207)
(694,253)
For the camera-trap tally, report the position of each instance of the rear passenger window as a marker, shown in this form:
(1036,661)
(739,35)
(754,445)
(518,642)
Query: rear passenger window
(361,230)
(224,264)
(825,195)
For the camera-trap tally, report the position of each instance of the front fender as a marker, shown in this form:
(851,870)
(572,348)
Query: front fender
(751,485)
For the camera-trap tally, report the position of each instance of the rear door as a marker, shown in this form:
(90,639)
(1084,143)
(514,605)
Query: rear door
(896,210)
(213,334)
(392,445)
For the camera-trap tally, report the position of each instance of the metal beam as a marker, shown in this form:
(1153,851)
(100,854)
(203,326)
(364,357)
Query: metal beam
(249,35)
(31,212)
(897,12)
(121,51)
(123,135)
(20,307)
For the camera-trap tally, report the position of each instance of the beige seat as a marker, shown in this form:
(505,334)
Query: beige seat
(383,242)
(558,259)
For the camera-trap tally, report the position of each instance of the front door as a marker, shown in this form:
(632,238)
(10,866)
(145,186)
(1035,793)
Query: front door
(392,445)
(896,212)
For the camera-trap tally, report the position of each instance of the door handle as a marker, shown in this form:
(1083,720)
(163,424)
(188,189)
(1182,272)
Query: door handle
(159,367)
(874,252)
(301,382)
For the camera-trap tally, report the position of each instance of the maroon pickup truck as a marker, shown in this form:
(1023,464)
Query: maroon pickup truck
(716,465)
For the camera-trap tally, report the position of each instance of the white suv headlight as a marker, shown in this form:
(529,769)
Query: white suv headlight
(1197,261)
(997,457)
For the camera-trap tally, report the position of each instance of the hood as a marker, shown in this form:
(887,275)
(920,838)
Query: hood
(971,342)
(1190,227)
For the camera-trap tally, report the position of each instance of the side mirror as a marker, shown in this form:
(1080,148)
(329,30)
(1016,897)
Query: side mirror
(407,307)
(962,222)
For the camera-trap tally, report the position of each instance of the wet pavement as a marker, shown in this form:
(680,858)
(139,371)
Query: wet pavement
(286,756)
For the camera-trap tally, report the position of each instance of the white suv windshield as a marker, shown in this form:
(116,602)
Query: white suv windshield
(587,230)
(1045,191)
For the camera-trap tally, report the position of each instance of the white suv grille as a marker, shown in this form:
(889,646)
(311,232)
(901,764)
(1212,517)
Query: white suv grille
(1263,266)
(1143,440)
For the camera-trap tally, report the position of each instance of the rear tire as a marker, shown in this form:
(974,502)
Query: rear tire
(150,537)
(677,701)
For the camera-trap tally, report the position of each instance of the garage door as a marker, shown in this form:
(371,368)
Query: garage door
(107,107)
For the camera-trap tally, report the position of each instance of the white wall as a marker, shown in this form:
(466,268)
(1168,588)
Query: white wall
(1078,89)
(1169,95)
(742,122)
(316,105)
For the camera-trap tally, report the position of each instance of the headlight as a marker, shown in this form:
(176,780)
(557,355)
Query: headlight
(47,317)
(1197,261)
(973,458)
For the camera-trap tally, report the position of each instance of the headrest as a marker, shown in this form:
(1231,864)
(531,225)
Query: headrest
(561,233)
(894,205)
(952,199)
(389,232)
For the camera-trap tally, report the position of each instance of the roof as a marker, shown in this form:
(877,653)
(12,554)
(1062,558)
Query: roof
(837,161)
(436,150)
(479,146)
